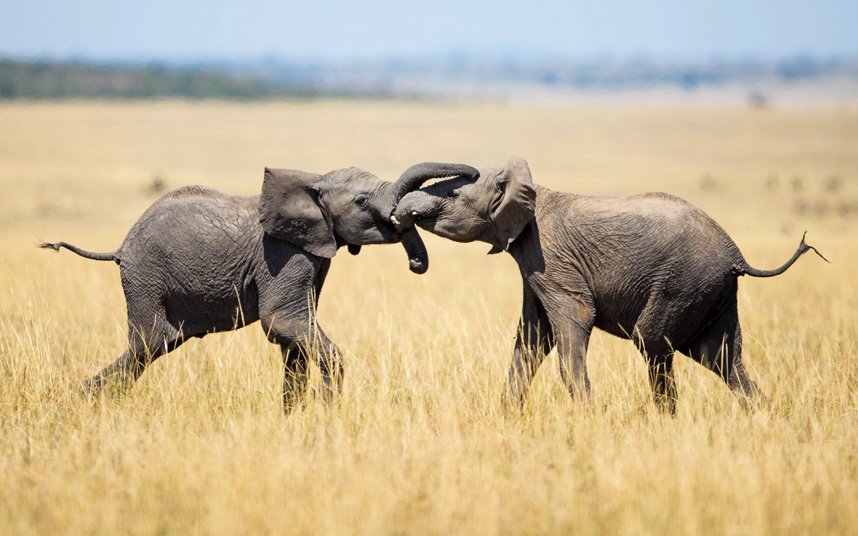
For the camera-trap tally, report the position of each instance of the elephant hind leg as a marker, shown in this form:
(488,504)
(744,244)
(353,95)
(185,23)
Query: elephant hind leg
(663,383)
(719,348)
(142,350)
(147,340)
(659,359)
(650,340)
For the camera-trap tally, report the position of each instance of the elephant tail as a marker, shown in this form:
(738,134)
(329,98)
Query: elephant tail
(745,269)
(110,256)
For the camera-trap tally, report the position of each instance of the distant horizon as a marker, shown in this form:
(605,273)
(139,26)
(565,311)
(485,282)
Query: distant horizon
(439,55)
(443,76)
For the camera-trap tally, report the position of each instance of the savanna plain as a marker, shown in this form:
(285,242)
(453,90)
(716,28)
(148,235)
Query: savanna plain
(419,441)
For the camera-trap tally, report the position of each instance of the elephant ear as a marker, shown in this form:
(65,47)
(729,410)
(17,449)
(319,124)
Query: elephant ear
(290,210)
(515,203)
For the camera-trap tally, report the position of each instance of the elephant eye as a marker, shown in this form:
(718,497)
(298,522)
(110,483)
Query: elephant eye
(361,200)
(454,193)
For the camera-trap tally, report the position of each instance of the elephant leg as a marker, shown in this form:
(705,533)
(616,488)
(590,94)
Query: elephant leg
(145,344)
(738,379)
(649,336)
(572,326)
(719,348)
(662,381)
(330,358)
(123,371)
(330,364)
(533,342)
(299,339)
(294,377)
(659,357)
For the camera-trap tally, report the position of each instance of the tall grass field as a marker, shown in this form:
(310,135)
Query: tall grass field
(419,442)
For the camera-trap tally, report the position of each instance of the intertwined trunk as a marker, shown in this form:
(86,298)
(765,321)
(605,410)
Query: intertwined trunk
(412,179)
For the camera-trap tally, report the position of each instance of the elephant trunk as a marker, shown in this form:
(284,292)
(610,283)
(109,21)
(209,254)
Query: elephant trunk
(418,258)
(415,208)
(412,179)
(416,175)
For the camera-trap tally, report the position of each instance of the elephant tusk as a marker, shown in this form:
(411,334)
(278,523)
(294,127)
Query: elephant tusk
(393,220)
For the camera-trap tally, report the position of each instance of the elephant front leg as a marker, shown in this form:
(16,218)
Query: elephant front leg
(298,345)
(297,349)
(294,377)
(572,326)
(533,342)
(528,356)
(330,364)
(572,357)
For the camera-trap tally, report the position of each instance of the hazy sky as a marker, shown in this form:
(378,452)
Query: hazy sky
(324,29)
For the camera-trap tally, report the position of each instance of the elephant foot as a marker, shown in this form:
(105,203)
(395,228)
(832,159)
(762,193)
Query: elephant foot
(92,387)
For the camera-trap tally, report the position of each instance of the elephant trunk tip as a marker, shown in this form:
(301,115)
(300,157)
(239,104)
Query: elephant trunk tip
(417,266)
(418,258)
(404,220)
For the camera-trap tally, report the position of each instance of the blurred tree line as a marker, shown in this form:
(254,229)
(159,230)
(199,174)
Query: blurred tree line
(63,80)
(434,76)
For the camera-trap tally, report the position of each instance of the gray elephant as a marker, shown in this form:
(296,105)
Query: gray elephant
(652,268)
(200,261)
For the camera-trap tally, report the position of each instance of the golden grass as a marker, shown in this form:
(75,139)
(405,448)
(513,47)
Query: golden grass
(418,443)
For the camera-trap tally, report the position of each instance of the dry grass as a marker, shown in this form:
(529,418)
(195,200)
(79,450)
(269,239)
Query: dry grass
(418,443)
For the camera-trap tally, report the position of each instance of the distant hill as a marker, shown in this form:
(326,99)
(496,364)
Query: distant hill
(449,76)
(64,80)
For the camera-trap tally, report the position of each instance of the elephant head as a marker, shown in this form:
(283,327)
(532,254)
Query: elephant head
(493,209)
(346,207)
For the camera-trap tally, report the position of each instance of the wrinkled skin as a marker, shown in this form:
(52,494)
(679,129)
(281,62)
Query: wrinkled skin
(651,268)
(200,261)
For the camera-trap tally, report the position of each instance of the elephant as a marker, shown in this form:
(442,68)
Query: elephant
(199,261)
(652,268)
